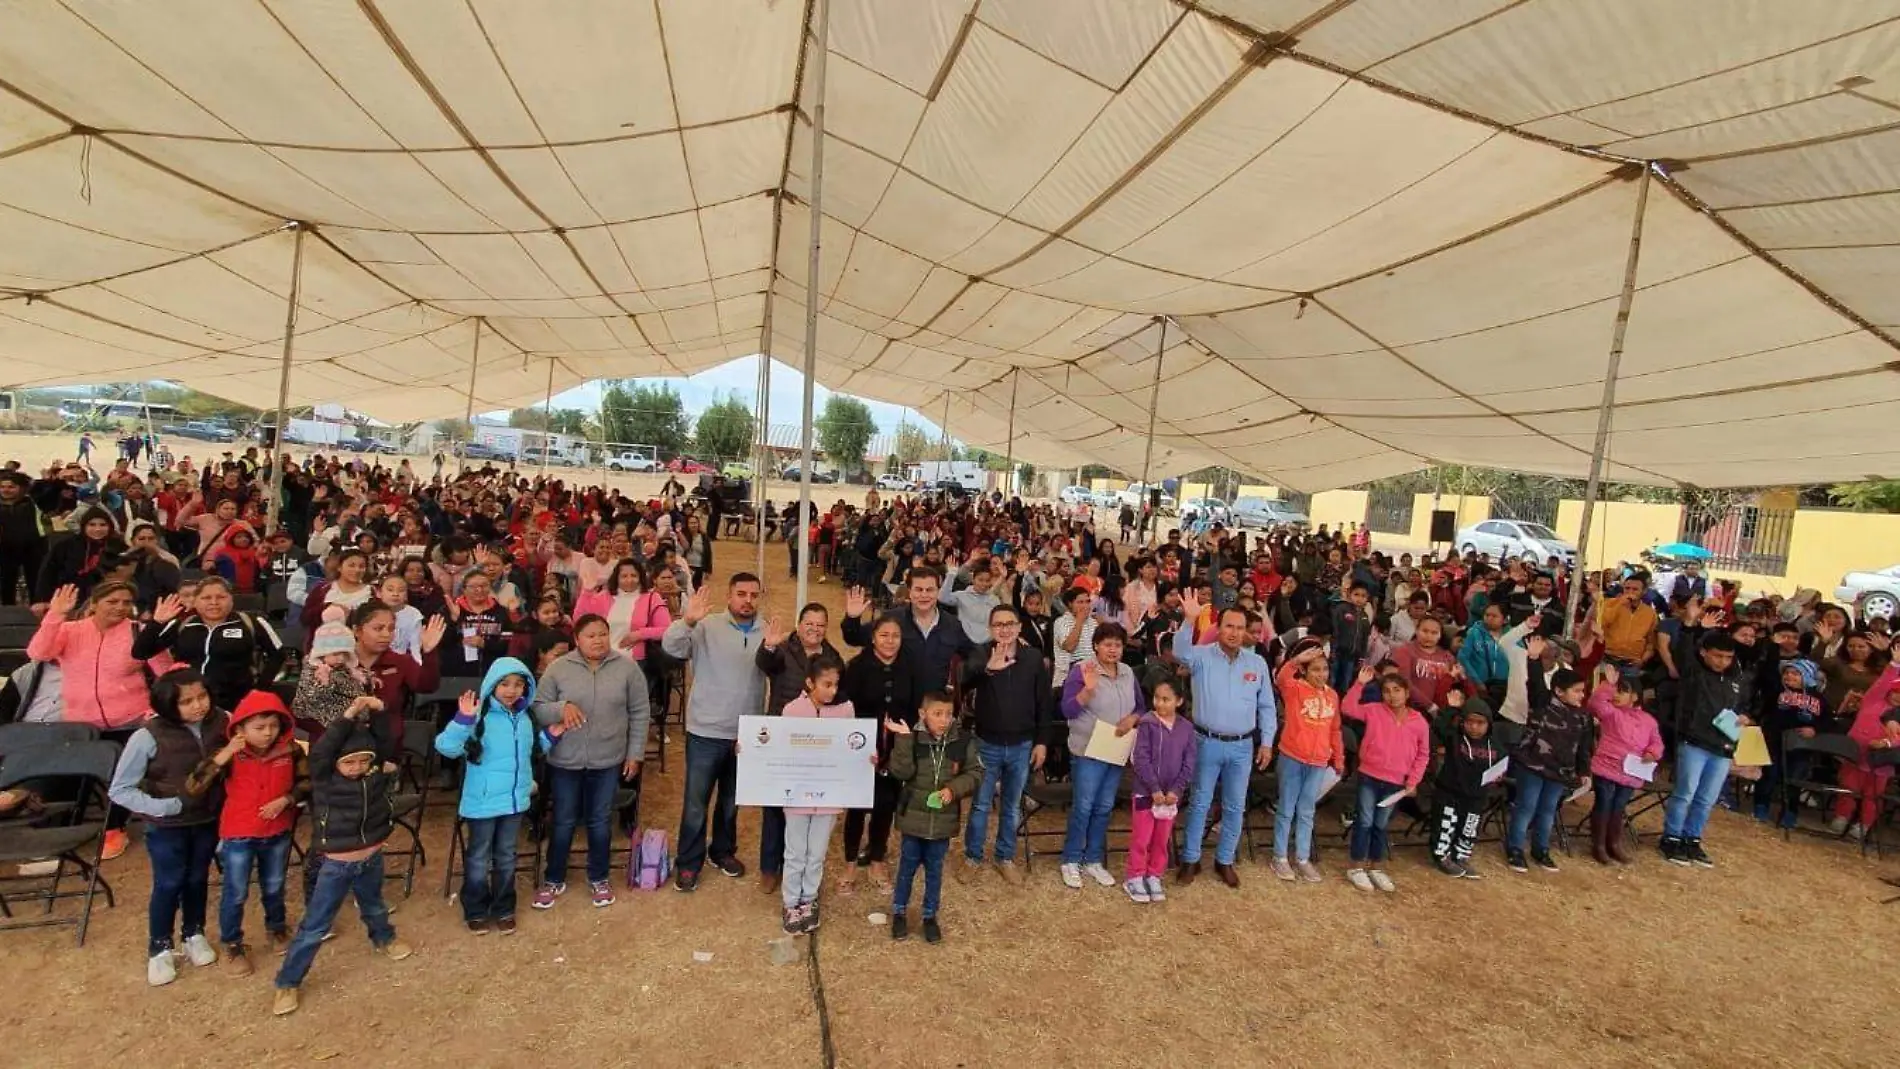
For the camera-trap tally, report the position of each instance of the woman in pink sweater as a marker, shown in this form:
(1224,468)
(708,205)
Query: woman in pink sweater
(101,683)
(1623,730)
(1876,727)
(1393,753)
(635,614)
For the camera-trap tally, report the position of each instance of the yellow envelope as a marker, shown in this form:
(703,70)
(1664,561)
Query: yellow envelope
(1751,749)
(1104,745)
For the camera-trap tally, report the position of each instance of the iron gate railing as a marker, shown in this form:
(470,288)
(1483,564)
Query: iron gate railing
(1744,538)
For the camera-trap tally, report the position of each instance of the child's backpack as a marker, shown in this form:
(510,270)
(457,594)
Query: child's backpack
(650,864)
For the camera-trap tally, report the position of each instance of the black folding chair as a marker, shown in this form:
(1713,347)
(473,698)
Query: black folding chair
(1036,798)
(18,616)
(75,838)
(16,636)
(1821,750)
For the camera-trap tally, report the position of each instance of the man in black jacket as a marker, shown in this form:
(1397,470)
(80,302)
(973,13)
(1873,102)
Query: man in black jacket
(22,536)
(1014,716)
(1538,599)
(931,637)
(1711,711)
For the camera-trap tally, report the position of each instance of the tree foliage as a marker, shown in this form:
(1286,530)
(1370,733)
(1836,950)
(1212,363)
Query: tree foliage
(564,421)
(726,430)
(636,414)
(1874,495)
(454,430)
(843,430)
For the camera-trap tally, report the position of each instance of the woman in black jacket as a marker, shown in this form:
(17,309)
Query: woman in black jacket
(881,682)
(235,651)
(75,561)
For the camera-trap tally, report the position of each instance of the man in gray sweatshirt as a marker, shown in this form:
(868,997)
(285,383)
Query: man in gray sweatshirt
(727,684)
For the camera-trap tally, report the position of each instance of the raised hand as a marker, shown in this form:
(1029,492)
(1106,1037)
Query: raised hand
(775,632)
(699,606)
(855,601)
(433,631)
(1367,675)
(1534,647)
(468,703)
(896,727)
(65,600)
(1190,605)
(169,608)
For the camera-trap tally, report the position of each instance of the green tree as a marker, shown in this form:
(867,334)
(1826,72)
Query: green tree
(565,420)
(914,446)
(726,431)
(1875,495)
(843,430)
(634,414)
(454,430)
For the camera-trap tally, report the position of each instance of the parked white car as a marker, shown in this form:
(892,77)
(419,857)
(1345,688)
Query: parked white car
(1076,495)
(1873,593)
(1265,513)
(893,482)
(1515,540)
(631,462)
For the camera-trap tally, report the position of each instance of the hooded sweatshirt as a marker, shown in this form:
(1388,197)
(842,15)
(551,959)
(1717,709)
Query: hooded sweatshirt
(498,781)
(75,560)
(1311,731)
(727,683)
(1461,771)
(254,778)
(613,694)
(1396,747)
(1870,723)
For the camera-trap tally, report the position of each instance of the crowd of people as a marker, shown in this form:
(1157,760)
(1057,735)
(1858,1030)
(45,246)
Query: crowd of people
(991,642)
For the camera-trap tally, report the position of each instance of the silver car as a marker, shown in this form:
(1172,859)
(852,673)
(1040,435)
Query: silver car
(1873,593)
(1265,512)
(1515,540)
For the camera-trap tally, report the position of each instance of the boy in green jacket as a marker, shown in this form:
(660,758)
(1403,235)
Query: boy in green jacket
(938,767)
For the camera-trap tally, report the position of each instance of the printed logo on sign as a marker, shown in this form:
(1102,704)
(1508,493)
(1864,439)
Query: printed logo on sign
(765,737)
(814,796)
(856,740)
(788,791)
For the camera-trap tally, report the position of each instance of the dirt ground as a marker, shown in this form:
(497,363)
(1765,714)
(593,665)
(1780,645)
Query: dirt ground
(1651,965)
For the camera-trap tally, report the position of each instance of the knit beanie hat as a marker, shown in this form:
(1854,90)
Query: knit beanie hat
(333,636)
(1809,672)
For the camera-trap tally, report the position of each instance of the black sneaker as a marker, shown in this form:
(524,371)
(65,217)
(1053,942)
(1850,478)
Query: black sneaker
(1543,860)
(932,933)
(1470,871)
(731,866)
(686,880)
(1692,849)
(479,927)
(900,927)
(1448,867)
(1515,859)
(1674,851)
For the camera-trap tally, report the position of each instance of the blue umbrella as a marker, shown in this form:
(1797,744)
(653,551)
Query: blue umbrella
(1681,549)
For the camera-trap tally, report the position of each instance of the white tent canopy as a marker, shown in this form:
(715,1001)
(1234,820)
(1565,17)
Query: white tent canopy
(1361,226)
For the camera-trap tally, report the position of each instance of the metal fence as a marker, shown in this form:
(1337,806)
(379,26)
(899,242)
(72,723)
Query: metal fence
(1531,508)
(1389,511)
(1743,538)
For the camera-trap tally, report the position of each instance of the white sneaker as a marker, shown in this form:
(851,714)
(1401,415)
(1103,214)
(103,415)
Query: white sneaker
(1156,893)
(1855,833)
(199,950)
(1359,879)
(1837,825)
(1382,881)
(1099,874)
(1284,869)
(1137,891)
(161,970)
(1072,877)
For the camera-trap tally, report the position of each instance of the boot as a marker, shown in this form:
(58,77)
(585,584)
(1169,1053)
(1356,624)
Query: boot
(1599,835)
(1613,841)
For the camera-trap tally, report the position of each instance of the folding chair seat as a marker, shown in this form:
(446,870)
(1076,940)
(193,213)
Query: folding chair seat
(1822,752)
(1036,798)
(75,838)
(18,616)
(16,636)
(407,810)
(255,604)
(20,736)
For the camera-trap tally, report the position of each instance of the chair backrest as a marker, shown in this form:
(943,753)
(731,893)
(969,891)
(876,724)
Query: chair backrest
(18,616)
(93,760)
(1836,746)
(418,738)
(15,636)
(16,737)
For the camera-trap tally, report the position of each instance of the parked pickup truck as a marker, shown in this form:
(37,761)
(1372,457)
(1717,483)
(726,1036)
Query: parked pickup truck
(631,462)
(204,430)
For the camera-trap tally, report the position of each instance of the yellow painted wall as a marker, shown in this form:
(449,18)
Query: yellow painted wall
(1271,493)
(1190,491)
(1334,509)
(1470,509)
(1619,530)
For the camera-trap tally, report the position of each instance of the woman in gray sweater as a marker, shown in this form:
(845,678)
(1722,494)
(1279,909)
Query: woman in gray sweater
(599,699)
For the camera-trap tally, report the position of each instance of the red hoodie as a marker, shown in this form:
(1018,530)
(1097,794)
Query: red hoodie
(253,780)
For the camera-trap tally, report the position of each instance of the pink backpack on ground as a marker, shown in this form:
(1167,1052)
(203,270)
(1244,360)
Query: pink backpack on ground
(650,864)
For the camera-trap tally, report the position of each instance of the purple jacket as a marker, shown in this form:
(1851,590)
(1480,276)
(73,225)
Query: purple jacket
(1164,756)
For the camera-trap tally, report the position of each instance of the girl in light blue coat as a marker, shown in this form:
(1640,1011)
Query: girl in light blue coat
(495,735)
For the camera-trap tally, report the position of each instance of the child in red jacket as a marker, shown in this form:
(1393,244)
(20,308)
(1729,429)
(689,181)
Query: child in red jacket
(265,778)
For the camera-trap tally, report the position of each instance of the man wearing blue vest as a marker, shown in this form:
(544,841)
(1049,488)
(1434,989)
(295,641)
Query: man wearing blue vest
(1233,710)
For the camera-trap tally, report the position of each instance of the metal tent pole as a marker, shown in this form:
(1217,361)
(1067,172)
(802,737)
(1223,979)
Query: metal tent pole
(764,461)
(1148,452)
(1607,410)
(468,416)
(820,25)
(275,519)
(547,422)
(1009,443)
(946,432)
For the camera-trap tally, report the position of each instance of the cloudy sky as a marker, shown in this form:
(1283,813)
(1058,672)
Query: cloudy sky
(740,379)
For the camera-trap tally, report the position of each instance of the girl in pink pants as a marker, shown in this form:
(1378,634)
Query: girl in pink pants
(1876,727)
(1164,766)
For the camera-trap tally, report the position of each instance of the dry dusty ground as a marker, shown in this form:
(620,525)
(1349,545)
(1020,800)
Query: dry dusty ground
(1649,966)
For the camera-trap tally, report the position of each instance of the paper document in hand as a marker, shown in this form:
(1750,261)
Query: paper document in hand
(1108,747)
(1495,772)
(1634,765)
(1751,749)
(1391,800)
(1582,789)
(1328,779)
(800,761)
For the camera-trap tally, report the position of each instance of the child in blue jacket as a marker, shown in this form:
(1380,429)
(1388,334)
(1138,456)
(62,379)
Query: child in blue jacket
(495,735)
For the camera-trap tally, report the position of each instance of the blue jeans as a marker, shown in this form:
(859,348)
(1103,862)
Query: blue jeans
(1093,803)
(1768,789)
(181,881)
(270,859)
(1699,778)
(488,867)
(1610,799)
(335,880)
(914,852)
(710,763)
(1008,765)
(1226,764)
(581,797)
(1344,673)
(1368,841)
(1537,799)
(1299,796)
